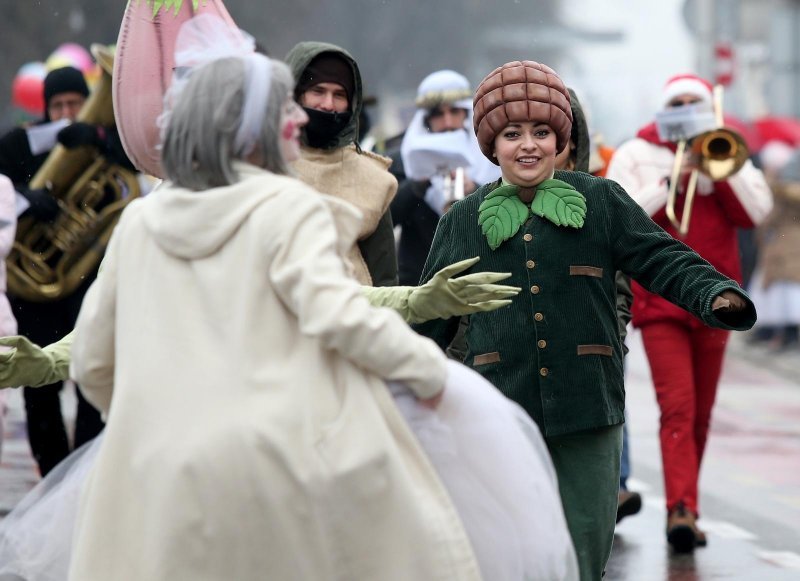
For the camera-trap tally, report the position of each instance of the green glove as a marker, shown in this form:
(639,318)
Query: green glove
(27,364)
(443,297)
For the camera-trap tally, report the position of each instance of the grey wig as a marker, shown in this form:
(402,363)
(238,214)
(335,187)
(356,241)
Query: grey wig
(198,142)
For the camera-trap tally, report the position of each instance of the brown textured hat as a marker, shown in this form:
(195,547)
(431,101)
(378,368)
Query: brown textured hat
(521,91)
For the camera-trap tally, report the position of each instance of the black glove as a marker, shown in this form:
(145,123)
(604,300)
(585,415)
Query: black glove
(43,206)
(78,133)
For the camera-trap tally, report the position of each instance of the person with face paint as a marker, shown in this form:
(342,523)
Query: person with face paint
(284,429)
(329,89)
(563,235)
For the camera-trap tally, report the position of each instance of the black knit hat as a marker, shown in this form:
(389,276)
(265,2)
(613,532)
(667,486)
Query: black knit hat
(64,80)
(327,67)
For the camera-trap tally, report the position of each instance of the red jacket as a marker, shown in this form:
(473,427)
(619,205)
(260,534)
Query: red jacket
(641,166)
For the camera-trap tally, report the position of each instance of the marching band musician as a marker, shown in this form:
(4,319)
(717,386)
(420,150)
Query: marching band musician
(65,92)
(684,354)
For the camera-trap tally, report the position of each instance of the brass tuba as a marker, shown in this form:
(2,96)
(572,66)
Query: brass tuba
(49,261)
(720,152)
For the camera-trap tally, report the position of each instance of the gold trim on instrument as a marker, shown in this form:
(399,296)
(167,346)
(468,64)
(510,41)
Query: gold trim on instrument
(49,261)
(720,153)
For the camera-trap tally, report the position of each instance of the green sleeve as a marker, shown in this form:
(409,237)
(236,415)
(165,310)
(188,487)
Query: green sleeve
(624,302)
(28,364)
(667,267)
(392,297)
(380,253)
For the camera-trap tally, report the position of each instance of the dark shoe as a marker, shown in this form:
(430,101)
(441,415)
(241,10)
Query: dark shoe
(628,503)
(681,529)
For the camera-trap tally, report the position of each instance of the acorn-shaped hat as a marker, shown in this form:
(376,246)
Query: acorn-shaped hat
(516,92)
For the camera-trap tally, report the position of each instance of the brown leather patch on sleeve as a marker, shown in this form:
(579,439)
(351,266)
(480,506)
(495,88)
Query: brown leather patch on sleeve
(595,350)
(493,357)
(586,271)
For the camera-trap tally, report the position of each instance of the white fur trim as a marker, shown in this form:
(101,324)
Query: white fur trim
(686,85)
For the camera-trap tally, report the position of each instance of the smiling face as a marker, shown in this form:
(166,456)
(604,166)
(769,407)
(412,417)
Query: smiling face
(292,119)
(526,153)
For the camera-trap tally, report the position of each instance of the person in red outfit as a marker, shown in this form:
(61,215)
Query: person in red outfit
(685,355)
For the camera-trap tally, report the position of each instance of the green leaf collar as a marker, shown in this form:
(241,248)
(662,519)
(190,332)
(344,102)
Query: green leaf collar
(501,213)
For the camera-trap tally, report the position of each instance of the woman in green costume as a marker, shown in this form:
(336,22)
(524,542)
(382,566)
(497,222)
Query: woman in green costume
(563,236)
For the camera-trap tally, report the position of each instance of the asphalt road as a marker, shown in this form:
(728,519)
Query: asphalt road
(750,482)
(750,485)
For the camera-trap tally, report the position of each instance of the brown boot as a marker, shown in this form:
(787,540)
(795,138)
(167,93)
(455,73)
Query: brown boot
(681,530)
(699,537)
(628,503)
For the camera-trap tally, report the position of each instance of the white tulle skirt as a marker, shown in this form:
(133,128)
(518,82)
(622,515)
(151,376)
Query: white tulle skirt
(777,305)
(487,452)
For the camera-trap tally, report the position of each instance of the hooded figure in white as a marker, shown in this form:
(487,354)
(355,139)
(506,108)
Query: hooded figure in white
(428,155)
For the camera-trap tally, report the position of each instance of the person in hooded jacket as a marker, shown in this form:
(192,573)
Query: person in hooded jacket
(684,353)
(329,88)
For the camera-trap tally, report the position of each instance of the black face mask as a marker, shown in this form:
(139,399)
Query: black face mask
(323,129)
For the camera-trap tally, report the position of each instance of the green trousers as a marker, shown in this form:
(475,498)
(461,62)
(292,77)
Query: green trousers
(587,466)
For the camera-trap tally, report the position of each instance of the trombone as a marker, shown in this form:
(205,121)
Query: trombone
(721,153)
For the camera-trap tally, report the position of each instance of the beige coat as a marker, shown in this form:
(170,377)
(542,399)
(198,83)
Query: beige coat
(361,179)
(779,237)
(250,435)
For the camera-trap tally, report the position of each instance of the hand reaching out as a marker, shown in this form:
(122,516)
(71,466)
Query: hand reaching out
(728,302)
(443,297)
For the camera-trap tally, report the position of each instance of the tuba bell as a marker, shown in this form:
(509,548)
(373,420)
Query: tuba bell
(720,152)
(49,261)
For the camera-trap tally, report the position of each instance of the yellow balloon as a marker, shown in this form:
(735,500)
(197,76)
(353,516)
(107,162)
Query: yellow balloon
(57,61)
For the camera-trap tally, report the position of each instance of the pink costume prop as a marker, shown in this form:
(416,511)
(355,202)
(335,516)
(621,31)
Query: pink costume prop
(143,68)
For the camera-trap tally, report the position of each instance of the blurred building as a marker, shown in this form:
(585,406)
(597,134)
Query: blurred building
(752,47)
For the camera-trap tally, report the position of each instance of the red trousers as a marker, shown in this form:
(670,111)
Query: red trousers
(685,363)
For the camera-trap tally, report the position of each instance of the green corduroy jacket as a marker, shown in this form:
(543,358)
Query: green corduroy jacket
(556,349)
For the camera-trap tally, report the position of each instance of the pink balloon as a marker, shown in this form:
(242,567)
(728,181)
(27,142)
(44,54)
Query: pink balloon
(73,54)
(143,72)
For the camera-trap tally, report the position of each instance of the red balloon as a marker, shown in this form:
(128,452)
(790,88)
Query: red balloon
(27,93)
(785,129)
(143,72)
